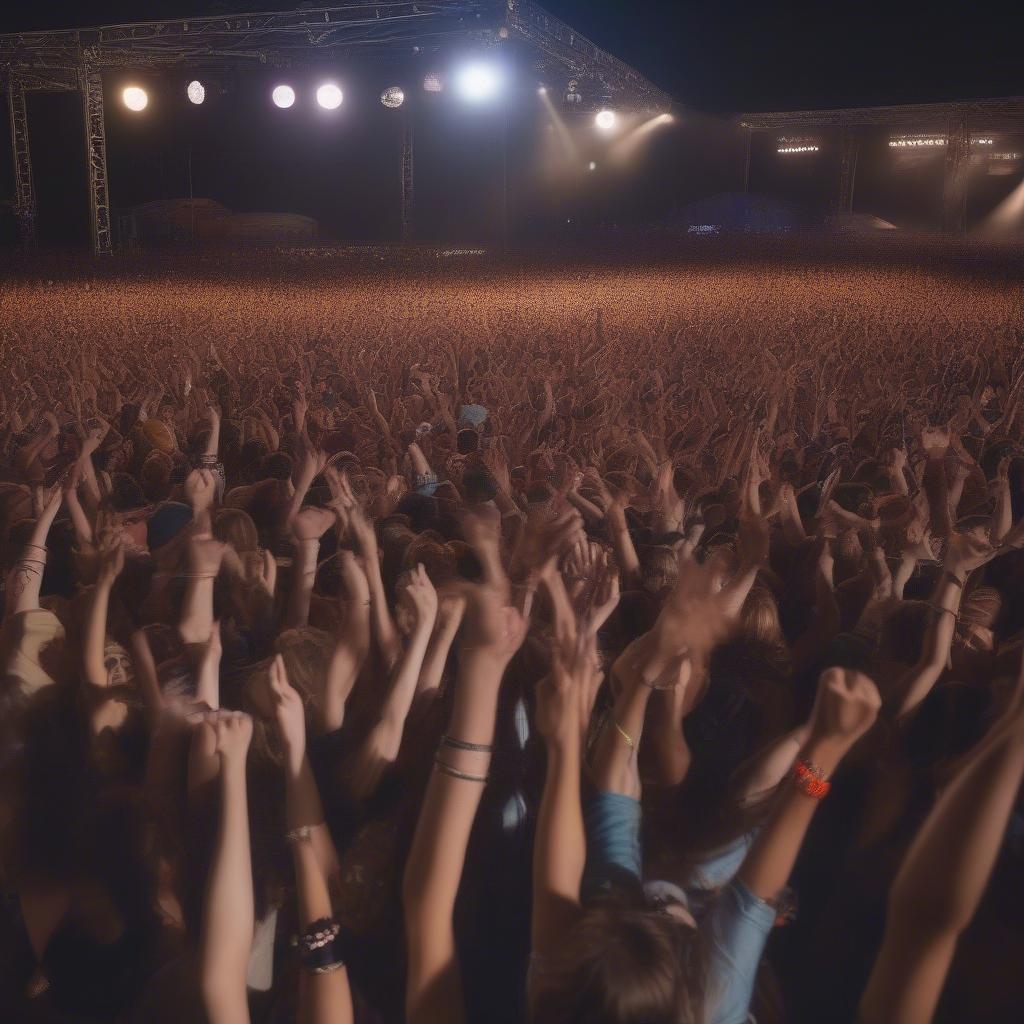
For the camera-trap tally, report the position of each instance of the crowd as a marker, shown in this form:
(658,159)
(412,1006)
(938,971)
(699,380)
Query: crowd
(623,647)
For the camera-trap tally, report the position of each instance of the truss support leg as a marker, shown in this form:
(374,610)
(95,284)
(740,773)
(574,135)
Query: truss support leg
(748,143)
(24,191)
(96,154)
(407,181)
(958,151)
(849,151)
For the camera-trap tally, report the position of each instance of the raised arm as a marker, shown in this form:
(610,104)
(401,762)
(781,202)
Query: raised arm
(324,994)
(493,633)
(111,564)
(943,878)
(228,918)
(846,707)
(26,576)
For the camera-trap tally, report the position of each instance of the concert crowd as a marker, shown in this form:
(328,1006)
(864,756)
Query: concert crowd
(358,667)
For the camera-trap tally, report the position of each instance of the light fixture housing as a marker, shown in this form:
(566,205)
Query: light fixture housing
(135,98)
(432,82)
(283,96)
(196,92)
(392,97)
(606,119)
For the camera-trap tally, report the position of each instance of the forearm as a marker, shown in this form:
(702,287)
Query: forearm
(382,625)
(304,567)
(625,555)
(323,998)
(768,864)
(228,914)
(303,810)
(614,767)
(1002,514)
(96,634)
(347,661)
(560,846)
(941,882)
(436,658)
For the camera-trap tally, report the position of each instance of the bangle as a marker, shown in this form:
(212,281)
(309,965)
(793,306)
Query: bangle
(302,834)
(447,769)
(479,748)
(198,576)
(810,779)
(38,547)
(938,609)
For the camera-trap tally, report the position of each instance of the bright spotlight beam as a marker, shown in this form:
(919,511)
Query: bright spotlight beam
(329,96)
(196,92)
(478,82)
(605,120)
(283,96)
(135,98)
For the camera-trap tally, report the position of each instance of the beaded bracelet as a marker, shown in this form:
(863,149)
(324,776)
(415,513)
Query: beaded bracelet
(320,949)
(810,779)
(302,834)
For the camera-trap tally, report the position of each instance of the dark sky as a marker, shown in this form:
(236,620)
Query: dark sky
(733,55)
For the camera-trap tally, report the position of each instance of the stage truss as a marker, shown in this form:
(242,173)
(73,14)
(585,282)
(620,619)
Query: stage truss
(955,122)
(77,59)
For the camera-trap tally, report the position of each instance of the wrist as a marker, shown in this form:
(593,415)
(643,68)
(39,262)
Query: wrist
(825,751)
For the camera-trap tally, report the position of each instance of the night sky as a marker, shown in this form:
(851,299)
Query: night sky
(734,55)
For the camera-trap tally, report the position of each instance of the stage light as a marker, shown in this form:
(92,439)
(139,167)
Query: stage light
(797,149)
(592,166)
(916,142)
(433,83)
(392,97)
(283,96)
(542,91)
(135,98)
(196,92)
(329,96)
(478,82)
(605,120)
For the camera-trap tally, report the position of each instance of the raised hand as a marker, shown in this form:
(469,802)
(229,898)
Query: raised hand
(420,593)
(200,489)
(846,706)
(312,523)
(289,715)
(232,734)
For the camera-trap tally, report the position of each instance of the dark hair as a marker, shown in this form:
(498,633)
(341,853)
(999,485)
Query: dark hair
(621,966)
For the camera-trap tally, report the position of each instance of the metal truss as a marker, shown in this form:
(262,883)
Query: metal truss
(849,150)
(24,193)
(388,29)
(568,53)
(408,182)
(96,155)
(992,115)
(958,151)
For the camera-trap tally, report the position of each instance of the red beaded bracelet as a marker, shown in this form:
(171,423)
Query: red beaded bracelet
(811,780)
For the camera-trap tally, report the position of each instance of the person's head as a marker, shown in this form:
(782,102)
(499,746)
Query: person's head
(155,476)
(621,966)
(660,569)
(235,527)
(759,617)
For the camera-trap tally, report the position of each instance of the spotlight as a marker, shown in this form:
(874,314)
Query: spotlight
(592,166)
(283,96)
(605,120)
(542,91)
(196,92)
(392,97)
(478,82)
(433,83)
(135,98)
(329,96)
